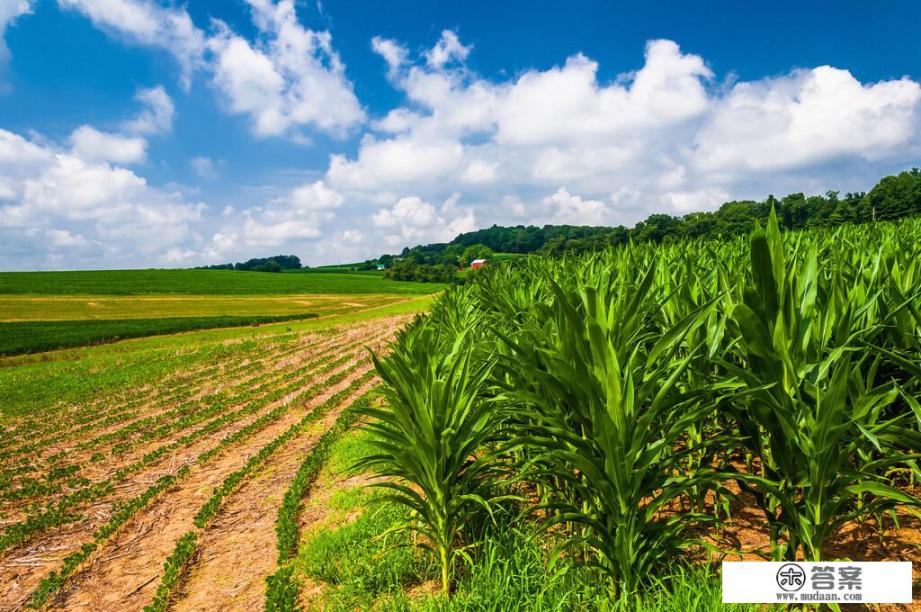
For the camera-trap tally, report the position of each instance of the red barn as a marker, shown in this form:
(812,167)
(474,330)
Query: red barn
(476,264)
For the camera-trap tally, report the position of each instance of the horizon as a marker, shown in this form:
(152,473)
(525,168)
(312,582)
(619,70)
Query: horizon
(183,135)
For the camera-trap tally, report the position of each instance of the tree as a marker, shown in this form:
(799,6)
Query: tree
(476,251)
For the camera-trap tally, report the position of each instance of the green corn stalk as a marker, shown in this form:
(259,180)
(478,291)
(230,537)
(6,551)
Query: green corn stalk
(602,413)
(431,438)
(812,413)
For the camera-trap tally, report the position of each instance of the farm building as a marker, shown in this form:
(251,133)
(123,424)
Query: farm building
(477,263)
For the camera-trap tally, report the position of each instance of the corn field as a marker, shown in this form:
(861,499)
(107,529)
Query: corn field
(621,400)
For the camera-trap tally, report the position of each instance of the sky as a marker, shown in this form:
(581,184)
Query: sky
(158,133)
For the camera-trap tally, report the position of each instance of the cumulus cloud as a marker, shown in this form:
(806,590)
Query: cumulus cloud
(446,50)
(56,199)
(147,23)
(555,145)
(287,79)
(807,117)
(9,11)
(562,145)
(292,77)
(573,210)
(299,214)
(129,146)
(90,144)
(412,218)
(393,53)
(156,117)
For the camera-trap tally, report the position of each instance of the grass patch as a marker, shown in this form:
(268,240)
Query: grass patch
(201,282)
(511,573)
(362,560)
(36,336)
(347,451)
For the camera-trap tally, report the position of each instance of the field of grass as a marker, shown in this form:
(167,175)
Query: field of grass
(201,282)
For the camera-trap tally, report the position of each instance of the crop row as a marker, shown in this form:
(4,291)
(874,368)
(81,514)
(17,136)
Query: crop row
(179,559)
(56,580)
(621,389)
(213,406)
(85,410)
(62,511)
(281,587)
(184,382)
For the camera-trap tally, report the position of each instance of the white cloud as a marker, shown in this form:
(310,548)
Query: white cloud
(412,218)
(90,144)
(446,50)
(395,162)
(55,198)
(392,52)
(64,238)
(298,215)
(9,11)
(148,23)
(157,114)
(808,117)
(288,79)
(682,202)
(291,78)
(205,168)
(662,138)
(573,210)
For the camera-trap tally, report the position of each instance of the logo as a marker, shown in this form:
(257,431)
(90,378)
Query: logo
(817,582)
(791,577)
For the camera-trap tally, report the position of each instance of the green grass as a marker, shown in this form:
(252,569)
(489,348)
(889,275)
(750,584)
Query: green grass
(361,560)
(201,282)
(511,573)
(340,269)
(36,336)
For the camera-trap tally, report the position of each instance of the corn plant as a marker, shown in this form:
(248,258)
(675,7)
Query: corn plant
(601,411)
(431,437)
(812,413)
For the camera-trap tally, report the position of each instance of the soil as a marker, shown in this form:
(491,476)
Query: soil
(124,572)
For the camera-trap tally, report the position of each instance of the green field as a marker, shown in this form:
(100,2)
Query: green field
(202,282)
(33,385)
(36,336)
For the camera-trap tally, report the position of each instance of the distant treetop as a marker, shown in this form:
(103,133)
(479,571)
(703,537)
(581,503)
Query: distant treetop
(276,263)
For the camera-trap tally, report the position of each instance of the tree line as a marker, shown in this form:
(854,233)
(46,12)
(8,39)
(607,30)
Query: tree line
(275,263)
(892,198)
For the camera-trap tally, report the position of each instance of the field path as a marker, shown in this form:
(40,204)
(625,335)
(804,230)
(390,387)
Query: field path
(124,571)
(245,530)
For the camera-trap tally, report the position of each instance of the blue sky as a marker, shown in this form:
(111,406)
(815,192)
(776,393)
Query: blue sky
(139,133)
